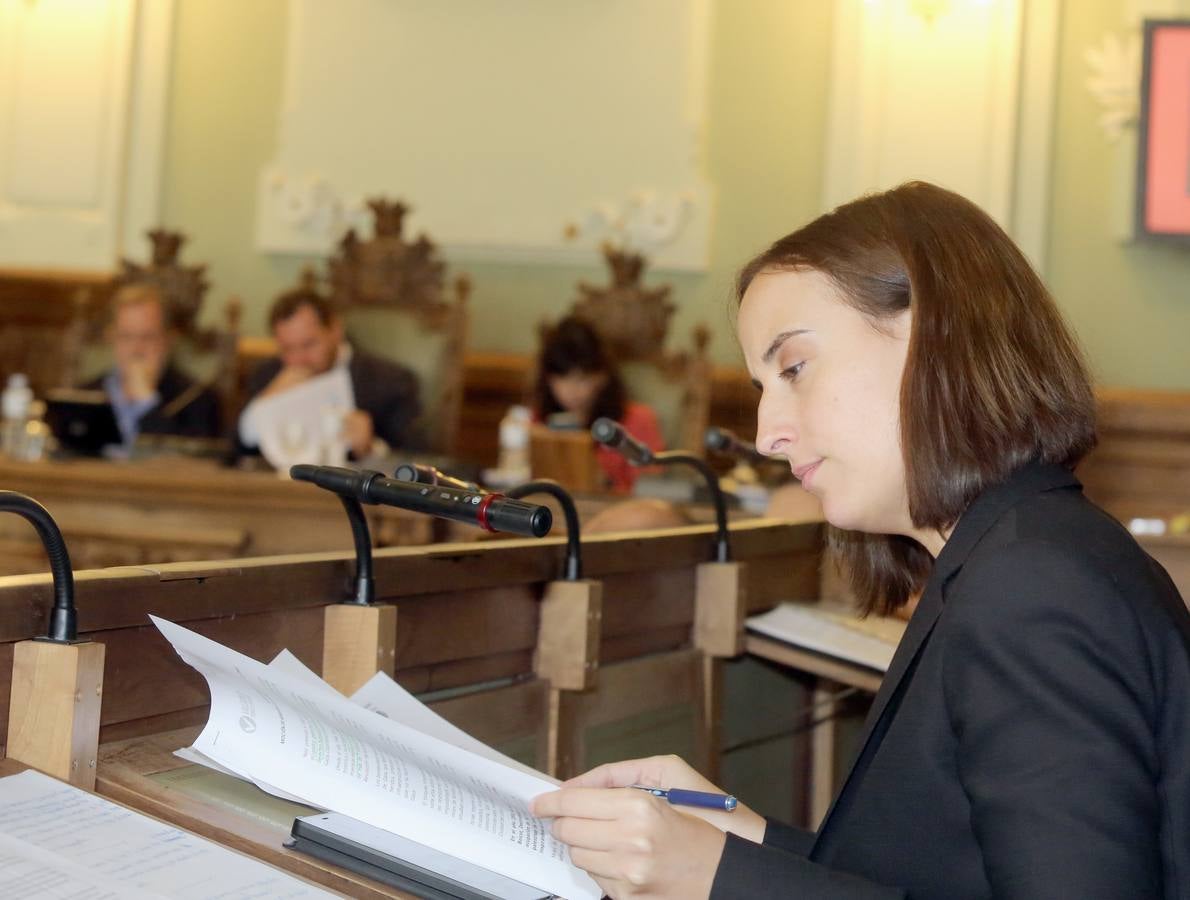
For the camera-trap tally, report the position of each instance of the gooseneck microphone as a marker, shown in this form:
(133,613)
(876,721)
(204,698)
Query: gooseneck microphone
(725,441)
(63,616)
(492,512)
(613,434)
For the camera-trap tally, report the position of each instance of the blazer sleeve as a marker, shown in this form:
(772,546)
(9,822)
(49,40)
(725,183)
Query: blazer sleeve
(788,837)
(1051,696)
(750,871)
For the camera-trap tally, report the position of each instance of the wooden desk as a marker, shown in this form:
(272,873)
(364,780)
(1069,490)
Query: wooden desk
(468,620)
(175,509)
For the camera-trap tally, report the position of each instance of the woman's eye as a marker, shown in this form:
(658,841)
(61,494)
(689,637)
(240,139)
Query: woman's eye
(791,373)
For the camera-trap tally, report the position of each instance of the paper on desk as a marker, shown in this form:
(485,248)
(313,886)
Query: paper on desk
(824,631)
(336,755)
(303,423)
(114,851)
(28,872)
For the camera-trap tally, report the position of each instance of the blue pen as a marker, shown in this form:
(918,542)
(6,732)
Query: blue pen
(703,799)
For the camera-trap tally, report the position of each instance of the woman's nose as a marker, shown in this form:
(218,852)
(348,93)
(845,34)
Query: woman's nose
(775,431)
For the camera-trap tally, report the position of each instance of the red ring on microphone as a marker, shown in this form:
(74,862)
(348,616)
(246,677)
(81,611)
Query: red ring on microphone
(481,512)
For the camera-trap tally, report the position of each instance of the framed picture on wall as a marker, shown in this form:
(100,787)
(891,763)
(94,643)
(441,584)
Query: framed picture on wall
(1163,157)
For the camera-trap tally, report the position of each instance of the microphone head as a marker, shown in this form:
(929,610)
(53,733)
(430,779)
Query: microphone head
(541,521)
(606,431)
(418,474)
(718,439)
(303,472)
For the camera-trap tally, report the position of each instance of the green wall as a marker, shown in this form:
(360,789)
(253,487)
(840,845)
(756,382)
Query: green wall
(764,151)
(224,101)
(1128,300)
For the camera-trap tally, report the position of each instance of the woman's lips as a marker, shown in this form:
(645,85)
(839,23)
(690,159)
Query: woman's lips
(806,472)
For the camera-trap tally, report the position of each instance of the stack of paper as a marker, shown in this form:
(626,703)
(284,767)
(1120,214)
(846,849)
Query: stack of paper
(831,633)
(406,770)
(58,843)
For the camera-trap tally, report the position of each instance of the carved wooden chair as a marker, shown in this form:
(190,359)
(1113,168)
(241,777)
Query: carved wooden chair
(395,303)
(43,323)
(633,321)
(208,355)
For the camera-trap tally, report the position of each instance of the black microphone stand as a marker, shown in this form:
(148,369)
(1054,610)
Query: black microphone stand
(574,562)
(63,616)
(686,458)
(365,582)
(613,434)
(720,596)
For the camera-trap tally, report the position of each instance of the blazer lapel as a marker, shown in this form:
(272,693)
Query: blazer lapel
(919,628)
(972,526)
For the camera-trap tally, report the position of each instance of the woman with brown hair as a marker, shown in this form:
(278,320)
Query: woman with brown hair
(577,382)
(1032,736)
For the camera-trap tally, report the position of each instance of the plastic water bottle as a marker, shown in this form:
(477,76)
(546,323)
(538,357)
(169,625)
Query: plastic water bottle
(35,439)
(514,444)
(15,401)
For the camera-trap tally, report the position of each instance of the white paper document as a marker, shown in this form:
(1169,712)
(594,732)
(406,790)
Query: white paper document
(832,633)
(384,696)
(61,843)
(302,424)
(271,724)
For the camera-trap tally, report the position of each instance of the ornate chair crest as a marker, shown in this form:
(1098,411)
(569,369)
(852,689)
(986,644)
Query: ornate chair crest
(370,279)
(182,287)
(633,321)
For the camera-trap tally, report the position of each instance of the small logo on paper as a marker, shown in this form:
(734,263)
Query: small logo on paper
(247,724)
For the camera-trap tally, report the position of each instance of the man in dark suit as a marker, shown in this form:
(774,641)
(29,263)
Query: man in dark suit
(148,393)
(310,342)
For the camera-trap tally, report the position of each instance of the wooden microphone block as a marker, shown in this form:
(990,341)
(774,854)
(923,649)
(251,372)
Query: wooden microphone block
(567,457)
(720,605)
(358,641)
(567,654)
(53,713)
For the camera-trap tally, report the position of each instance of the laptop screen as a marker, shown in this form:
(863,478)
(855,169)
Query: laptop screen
(82,421)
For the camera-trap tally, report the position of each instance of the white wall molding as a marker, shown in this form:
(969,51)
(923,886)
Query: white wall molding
(497,135)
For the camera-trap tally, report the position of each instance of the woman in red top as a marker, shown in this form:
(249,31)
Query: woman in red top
(577,384)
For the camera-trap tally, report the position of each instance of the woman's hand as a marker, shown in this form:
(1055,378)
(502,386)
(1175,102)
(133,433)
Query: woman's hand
(637,845)
(673,772)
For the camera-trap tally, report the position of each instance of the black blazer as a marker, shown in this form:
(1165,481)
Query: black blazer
(1031,739)
(386,391)
(196,414)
